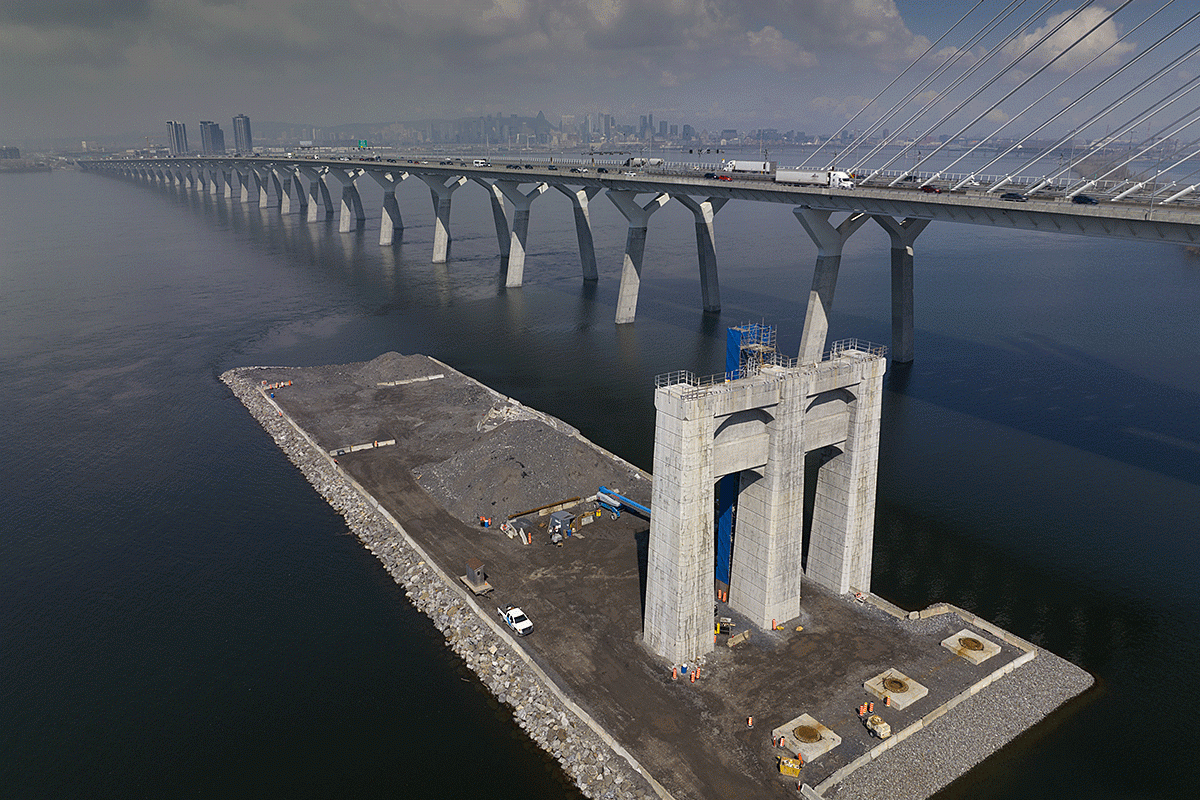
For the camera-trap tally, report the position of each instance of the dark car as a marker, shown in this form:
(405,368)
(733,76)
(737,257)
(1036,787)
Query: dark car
(710,176)
(1015,197)
(601,169)
(1085,200)
(552,167)
(512,166)
(574,169)
(931,189)
(529,166)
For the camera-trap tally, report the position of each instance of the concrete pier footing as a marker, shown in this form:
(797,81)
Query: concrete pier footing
(635,246)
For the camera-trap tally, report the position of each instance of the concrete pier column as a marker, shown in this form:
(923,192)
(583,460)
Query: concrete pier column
(297,187)
(282,176)
(228,174)
(390,222)
(499,218)
(678,620)
(352,215)
(441,192)
(318,191)
(829,241)
(245,179)
(521,202)
(266,177)
(199,179)
(214,183)
(706,249)
(635,246)
(765,575)
(903,235)
(583,227)
(843,523)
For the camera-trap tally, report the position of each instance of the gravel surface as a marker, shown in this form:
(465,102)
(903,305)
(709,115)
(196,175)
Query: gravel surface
(947,749)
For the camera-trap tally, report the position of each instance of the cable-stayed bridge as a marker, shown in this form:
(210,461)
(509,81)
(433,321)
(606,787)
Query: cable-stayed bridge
(1044,116)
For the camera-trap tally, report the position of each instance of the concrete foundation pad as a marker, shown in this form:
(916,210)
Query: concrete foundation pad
(971,646)
(809,751)
(888,685)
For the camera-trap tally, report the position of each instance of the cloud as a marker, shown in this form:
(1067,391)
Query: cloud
(781,55)
(320,62)
(1095,43)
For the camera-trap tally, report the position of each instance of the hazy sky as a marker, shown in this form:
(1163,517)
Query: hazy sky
(79,68)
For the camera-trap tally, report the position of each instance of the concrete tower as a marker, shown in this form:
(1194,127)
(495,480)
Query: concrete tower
(760,428)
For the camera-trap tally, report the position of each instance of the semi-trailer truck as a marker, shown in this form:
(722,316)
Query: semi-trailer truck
(834,179)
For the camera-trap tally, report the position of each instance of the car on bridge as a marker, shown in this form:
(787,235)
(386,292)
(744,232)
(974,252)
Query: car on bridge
(1085,200)
(931,189)
(1015,197)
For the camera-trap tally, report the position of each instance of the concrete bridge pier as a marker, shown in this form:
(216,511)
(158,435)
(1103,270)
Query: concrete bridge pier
(282,177)
(583,227)
(635,246)
(903,235)
(214,184)
(441,193)
(265,177)
(499,218)
(352,207)
(228,176)
(390,221)
(704,211)
(515,274)
(199,181)
(829,241)
(318,191)
(243,180)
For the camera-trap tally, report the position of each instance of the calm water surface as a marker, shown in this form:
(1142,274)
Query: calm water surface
(182,615)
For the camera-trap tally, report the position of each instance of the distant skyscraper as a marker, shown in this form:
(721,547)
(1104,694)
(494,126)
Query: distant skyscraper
(662,128)
(242,141)
(212,140)
(177,138)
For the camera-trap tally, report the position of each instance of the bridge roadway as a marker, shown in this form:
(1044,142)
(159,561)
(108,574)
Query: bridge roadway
(902,212)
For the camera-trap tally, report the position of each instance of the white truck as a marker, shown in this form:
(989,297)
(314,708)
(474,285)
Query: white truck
(834,179)
(747,166)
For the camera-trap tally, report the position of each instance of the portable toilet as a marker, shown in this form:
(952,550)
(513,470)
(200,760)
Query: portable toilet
(560,522)
(475,572)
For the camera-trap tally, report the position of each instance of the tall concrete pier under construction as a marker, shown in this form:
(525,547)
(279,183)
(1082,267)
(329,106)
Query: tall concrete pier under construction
(753,433)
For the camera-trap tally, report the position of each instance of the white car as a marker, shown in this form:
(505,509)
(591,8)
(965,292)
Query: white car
(515,618)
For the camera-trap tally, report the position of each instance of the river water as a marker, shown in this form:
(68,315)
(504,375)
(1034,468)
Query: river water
(182,615)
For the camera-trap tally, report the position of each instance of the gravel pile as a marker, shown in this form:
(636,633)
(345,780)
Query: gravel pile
(596,768)
(522,465)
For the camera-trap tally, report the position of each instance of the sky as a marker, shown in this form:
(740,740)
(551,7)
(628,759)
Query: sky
(78,68)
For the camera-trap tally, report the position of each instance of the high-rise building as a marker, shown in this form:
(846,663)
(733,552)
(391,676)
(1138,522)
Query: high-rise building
(662,128)
(242,140)
(212,140)
(177,138)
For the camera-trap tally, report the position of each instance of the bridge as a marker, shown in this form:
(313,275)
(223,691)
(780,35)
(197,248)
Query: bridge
(1101,185)
(903,210)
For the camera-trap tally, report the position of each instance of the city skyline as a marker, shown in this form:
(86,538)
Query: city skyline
(73,69)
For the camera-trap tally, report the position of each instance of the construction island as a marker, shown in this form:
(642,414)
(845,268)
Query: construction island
(703,633)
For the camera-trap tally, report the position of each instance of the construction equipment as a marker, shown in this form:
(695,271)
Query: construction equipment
(612,502)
